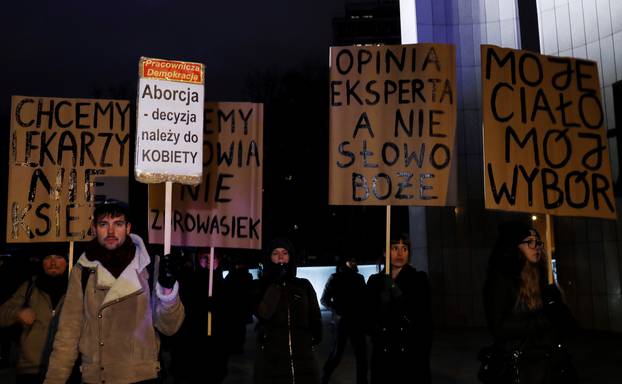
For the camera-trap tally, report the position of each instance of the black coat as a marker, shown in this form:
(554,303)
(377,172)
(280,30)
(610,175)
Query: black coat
(401,327)
(198,358)
(290,326)
(345,294)
(537,334)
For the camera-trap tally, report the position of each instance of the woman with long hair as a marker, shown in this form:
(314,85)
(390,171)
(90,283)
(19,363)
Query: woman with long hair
(526,315)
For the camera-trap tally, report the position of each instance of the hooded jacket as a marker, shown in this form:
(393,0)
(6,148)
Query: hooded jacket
(290,325)
(113,325)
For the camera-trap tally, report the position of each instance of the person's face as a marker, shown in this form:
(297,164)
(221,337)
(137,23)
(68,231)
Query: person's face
(204,261)
(531,247)
(280,256)
(352,265)
(54,265)
(399,255)
(112,231)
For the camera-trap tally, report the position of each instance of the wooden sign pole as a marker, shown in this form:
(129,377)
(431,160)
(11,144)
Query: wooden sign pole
(70,256)
(209,289)
(387,251)
(549,249)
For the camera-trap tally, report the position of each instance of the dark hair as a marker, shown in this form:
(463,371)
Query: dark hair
(401,238)
(112,208)
(507,259)
(505,256)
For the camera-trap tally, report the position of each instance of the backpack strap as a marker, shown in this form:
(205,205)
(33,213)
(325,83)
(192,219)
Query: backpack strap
(31,285)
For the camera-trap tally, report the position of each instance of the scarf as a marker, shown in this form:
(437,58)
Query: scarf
(114,261)
(54,286)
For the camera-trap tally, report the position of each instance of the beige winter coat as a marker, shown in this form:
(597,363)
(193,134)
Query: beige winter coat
(112,326)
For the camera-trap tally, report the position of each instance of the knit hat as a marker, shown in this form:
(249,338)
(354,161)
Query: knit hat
(512,233)
(281,242)
(271,270)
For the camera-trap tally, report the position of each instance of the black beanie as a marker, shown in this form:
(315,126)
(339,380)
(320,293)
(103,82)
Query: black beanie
(281,242)
(271,270)
(512,233)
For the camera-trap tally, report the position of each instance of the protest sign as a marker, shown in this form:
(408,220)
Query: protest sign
(169,121)
(392,125)
(225,209)
(58,149)
(545,145)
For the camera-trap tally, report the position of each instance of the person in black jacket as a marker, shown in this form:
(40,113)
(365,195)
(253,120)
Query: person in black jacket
(401,323)
(237,289)
(197,357)
(525,314)
(345,295)
(290,323)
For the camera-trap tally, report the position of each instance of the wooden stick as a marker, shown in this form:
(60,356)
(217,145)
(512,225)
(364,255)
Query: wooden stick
(549,249)
(70,256)
(209,289)
(387,257)
(168,196)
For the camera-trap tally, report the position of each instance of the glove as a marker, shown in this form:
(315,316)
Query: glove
(282,274)
(167,274)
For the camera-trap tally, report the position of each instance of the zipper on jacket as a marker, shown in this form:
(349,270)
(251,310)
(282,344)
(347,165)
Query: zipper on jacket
(289,337)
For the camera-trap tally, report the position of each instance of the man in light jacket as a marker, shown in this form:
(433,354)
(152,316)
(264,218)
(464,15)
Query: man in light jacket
(111,321)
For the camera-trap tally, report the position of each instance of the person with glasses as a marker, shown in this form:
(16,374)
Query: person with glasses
(109,317)
(526,316)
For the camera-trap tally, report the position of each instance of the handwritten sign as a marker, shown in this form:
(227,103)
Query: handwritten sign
(545,145)
(58,149)
(225,209)
(392,125)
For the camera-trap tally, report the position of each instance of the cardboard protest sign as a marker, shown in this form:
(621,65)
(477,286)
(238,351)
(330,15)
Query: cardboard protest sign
(545,145)
(225,209)
(58,149)
(170,121)
(392,125)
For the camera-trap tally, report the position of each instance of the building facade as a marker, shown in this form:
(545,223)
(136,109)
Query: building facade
(453,243)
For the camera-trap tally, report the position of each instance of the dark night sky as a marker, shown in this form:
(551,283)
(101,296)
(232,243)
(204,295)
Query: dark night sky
(69,48)
(81,49)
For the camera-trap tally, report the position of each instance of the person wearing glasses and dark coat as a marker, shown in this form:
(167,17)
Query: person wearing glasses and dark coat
(290,322)
(401,321)
(526,316)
